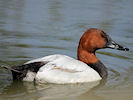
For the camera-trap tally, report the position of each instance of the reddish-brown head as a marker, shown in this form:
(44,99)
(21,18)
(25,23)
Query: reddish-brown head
(92,40)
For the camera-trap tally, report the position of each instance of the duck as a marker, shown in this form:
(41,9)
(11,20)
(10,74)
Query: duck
(62,69)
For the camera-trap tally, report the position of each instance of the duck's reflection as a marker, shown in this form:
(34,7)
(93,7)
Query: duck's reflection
(29,91)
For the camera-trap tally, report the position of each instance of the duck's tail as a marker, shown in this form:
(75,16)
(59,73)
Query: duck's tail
(16,74)
(19,72)
(10,68)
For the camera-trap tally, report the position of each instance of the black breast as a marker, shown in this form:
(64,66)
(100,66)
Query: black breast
(100,68)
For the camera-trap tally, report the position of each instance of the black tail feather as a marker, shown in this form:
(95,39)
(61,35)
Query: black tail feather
(19,72)
(10,68)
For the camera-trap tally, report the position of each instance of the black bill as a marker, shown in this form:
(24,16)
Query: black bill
(114,45)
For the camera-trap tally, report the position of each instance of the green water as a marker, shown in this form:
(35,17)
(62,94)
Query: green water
(35,28)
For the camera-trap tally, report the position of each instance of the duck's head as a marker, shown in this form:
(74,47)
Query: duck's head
(94,39)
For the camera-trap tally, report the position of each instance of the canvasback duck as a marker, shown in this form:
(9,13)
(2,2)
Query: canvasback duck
(62,69)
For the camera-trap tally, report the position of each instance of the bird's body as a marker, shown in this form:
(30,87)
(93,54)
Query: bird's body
(63,69)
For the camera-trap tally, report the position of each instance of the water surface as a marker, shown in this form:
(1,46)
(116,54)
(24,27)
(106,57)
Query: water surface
(35,28)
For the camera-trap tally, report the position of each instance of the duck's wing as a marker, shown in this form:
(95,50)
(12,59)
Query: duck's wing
(61,62)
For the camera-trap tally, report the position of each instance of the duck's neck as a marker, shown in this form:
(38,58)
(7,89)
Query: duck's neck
(100,68)
(91,60)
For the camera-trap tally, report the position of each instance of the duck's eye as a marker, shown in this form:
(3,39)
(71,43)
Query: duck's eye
(105,36)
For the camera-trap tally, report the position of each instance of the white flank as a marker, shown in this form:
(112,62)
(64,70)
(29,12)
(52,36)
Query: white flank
(62,69)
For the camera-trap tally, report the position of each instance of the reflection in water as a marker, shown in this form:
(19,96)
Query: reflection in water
(26,91)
